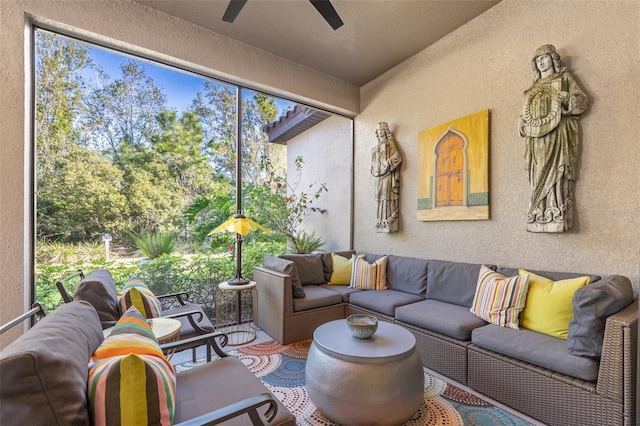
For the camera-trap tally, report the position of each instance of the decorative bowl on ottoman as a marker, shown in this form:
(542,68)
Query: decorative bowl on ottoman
(362,326)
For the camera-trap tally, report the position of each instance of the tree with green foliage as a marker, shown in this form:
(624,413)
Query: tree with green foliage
(216,107)
(153,198)
(180,144)
(83,198)
(123,111)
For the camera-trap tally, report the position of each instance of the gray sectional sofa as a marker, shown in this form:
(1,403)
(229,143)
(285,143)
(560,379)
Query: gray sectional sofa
(588,379)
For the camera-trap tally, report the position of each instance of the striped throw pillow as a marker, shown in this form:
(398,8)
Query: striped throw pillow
(498,299)
(136,293)
(130,380)
(369,276)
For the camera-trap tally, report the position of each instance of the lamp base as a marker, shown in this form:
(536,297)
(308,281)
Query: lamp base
(238,281)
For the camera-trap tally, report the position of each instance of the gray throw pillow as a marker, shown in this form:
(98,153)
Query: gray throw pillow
(310,267)
(285,267)
(592,305)
(99,289)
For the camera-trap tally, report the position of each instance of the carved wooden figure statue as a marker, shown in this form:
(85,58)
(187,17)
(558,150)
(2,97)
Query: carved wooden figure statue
(549,123)
(385,166)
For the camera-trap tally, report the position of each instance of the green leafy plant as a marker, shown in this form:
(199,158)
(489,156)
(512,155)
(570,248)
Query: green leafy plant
(48,273)
(154,244)
(306,243)
(288,206)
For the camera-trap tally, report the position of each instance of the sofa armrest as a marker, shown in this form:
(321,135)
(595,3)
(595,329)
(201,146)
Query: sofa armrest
(208,339)
(181,297)
(246,406)
(275,299)
(618,365)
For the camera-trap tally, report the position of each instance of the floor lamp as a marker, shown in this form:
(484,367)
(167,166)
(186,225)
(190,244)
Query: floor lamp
(241,226)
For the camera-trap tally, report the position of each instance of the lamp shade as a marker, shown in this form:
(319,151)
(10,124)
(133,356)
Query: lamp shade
(239,224)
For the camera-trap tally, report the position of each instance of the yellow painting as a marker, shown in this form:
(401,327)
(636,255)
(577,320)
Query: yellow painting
(453,170)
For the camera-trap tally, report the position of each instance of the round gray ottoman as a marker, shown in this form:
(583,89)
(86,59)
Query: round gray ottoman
(375,381)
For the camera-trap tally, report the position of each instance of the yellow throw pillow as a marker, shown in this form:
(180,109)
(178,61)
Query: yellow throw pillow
(341,274)
(548,308)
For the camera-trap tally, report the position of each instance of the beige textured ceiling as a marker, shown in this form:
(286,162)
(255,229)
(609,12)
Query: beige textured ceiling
(376,35)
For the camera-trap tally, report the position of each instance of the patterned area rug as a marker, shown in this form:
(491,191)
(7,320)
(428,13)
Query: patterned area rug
(281,369)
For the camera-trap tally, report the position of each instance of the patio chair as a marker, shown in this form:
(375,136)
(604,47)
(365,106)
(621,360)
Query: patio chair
(36,311)
(99,289)
(46,368)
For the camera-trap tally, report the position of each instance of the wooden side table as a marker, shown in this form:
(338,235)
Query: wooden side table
(236,308)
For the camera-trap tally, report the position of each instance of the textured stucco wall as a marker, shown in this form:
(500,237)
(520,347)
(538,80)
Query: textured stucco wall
(327,152)
(486,64)
(135,28)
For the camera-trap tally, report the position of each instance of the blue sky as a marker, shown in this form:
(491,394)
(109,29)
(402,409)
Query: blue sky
(180,87)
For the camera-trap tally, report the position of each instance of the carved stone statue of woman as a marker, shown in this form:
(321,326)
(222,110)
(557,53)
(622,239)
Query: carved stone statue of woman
(549,123)
(385,166)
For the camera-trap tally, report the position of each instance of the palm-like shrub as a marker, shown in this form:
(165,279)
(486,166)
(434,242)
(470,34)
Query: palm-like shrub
(154,244)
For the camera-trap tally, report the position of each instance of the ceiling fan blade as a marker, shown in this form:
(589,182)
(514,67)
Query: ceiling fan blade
(328,12)
(234,7)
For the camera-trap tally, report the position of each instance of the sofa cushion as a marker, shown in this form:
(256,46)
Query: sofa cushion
(342,290)
(310,267)
(592,305)
(288,267)
(129,376)
(327,261)
(407,274)
(99,289)
(32,389)
(203,389)
(316,297)
(499,299)
(535,348)
(548,307)
(384,301)
(445,318)
(369,276)
(554,276)
(136,293)
(452,282)
(341,270)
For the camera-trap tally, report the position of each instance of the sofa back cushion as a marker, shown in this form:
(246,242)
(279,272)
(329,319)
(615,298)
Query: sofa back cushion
(452,282)
(310,267)
(99,289)
(592,305)
(553,276)
(44,372)
(407,274)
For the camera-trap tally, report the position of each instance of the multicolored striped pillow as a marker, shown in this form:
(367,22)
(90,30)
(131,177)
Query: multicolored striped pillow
(369,276)
(130,379)
(136,293)
(498,299)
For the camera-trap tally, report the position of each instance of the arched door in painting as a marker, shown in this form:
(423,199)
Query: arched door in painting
(449,171)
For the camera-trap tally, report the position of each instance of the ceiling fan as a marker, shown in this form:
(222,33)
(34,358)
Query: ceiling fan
(325,8)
